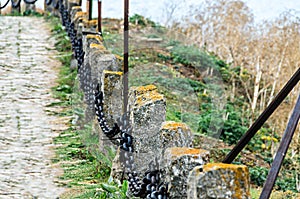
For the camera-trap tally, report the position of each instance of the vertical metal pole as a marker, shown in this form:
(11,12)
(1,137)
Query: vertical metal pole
(99,16)
(263,117)
(284,145)
(125,55)
(90,7)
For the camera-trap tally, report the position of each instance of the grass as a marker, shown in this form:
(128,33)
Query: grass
(255,193)
(86,168)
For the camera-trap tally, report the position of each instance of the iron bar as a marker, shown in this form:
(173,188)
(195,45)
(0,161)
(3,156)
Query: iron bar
(263,117)
(89,7)
(125,55)
(282,150)
(99,16)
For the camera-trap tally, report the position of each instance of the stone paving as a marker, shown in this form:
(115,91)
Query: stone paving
(28,70)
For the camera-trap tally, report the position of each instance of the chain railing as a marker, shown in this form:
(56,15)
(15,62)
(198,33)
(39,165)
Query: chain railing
(16,4)
(151,186)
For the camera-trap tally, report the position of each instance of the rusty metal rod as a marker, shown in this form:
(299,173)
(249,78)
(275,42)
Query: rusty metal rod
(263,117)
(90,9)
(99,16)
(282,150)
(125,55)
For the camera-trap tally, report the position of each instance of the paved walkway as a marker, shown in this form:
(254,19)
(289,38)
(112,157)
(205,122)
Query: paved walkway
(27,72)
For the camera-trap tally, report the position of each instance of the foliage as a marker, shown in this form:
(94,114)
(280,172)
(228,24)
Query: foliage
(32,13)
(258,175)
(142,21)
(190,55)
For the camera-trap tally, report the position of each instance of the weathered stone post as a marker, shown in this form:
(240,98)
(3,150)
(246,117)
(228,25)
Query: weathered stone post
(147,113)
(217,180)
(177,164)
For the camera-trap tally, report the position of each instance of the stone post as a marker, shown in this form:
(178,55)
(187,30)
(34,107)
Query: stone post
(112,90)
(147,113)
(217,180)
(176,166)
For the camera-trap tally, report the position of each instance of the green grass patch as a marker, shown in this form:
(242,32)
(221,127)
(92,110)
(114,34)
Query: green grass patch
(86,168)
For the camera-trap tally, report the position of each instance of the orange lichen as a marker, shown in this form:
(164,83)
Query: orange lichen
(146,97)
(76,8)
(143,89)
(98,46)
(180,151)
(216,166)
(75,1)
(119,57)
(89,23)
(170,125)
(97,37)
(80,15)
(108,72)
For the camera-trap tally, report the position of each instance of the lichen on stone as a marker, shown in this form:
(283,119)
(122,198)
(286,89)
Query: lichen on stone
(218,180)
(98,46)
(96,37)
(144,95)
(171,125)
(176,152)
(108,72)
(90,23)
(80,15)
(176,166)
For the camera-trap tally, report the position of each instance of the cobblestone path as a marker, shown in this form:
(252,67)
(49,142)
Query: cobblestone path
(27,72)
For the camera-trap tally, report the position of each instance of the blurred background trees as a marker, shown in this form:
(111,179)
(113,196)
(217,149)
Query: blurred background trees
(265,54)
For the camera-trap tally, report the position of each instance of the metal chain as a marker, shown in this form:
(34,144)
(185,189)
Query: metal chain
(48,2)
(150,187)
(15,5)
(77,44)
(109,132)
(30,2)
(4,5)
